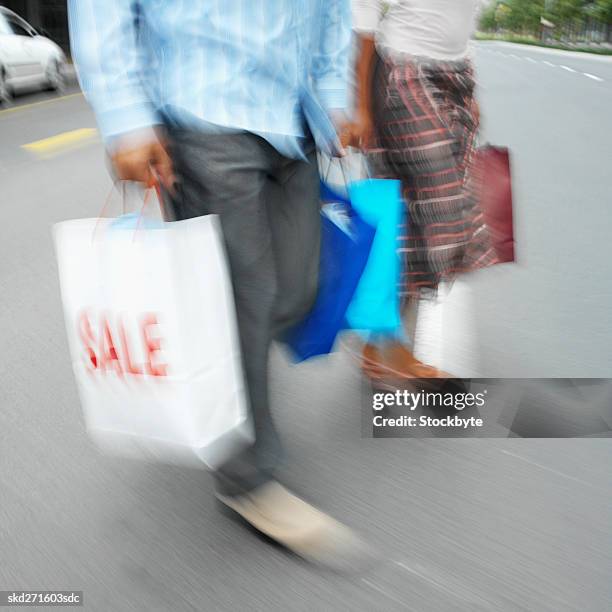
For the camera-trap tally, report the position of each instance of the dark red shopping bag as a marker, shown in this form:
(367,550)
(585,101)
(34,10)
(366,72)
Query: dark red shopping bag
(493,168)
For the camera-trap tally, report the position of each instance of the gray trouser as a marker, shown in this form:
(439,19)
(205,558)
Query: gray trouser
(269,211)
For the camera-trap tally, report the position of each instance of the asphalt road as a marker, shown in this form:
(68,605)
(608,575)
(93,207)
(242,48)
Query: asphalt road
(458,524)
(548,315)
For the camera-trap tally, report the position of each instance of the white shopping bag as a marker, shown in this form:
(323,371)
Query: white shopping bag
(153,339)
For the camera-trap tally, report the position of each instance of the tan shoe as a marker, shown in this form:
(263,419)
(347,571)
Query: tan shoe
(298,526)
(393,363)
(372,361)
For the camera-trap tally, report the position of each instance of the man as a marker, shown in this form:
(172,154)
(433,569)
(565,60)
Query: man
(223,100)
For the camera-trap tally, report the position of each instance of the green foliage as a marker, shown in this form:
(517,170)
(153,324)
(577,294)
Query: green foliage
(569,10)
(488,19)
(603,10)
(524,16)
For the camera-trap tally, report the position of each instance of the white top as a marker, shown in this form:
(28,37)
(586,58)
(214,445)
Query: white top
(438,29)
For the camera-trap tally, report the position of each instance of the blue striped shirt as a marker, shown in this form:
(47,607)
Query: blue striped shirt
(265,66)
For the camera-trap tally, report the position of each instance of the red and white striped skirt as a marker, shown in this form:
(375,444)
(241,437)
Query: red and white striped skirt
(426,119)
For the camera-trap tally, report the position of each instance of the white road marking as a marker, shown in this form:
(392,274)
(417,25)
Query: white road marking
(383,592)
(514,56)
(437,584)
(548,469)
(586,74)
(530,59)
(592,76)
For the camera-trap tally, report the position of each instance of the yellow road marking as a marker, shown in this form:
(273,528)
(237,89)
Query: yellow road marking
(33,104)
(61,142)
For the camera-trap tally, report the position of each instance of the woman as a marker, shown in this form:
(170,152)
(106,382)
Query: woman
(418,118)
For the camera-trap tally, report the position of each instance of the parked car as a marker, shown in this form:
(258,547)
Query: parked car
(28,59)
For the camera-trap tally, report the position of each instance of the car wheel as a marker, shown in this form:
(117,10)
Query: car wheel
(5,93)
(55,76)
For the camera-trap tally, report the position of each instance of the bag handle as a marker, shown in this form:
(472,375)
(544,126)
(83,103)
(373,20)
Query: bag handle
(345,166)
(153,187)
(343,169)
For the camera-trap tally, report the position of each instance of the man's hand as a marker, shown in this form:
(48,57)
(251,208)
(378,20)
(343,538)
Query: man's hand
(142,160)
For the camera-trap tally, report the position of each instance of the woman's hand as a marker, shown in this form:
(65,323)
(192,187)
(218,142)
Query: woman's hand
(358,133)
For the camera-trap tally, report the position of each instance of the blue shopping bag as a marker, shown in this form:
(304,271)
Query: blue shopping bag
(375,304)
(346,241)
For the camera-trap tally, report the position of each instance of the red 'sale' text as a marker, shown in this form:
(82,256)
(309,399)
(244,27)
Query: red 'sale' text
(109,347)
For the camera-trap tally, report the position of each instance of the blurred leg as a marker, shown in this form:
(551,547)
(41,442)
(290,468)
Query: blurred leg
(295,222)
(228,175)
(415,143)
(269,210)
